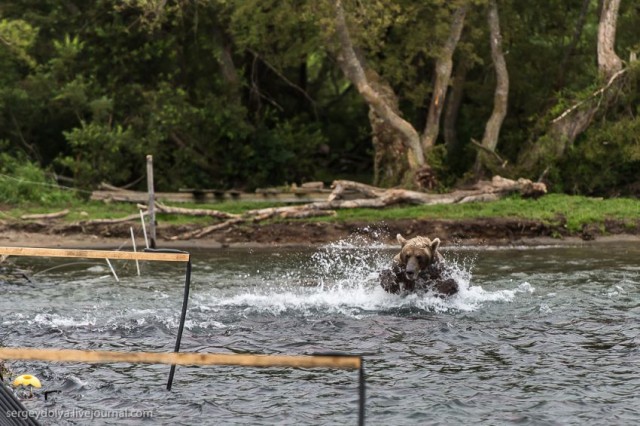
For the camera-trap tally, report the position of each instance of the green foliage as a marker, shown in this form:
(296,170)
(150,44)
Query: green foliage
(21,182)
(437,159)
(606,161)
(289,160)
(18,37)
(247,93)
(98,153)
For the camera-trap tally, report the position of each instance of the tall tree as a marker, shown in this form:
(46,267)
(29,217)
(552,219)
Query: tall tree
(501,94)
(608,61)
(389,125)
(452,108)
(566,127)
(443,67)
(396,141)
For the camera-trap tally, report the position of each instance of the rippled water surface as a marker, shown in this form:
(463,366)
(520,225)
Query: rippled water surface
(536,336)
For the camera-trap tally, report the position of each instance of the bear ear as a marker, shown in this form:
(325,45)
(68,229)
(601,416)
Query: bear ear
(401,240)
(435,244)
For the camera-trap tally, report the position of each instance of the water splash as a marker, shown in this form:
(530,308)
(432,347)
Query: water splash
(342,277)
(61,321)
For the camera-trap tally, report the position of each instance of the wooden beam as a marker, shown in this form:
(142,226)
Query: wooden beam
(187,358)
(94,254)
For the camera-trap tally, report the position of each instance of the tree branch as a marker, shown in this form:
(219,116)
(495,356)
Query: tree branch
(286,80)
(443,67)
(488,151)
(353,70)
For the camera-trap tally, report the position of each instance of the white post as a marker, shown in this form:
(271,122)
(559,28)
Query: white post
(113,271)
(151,209)
(133,241)
(144,229)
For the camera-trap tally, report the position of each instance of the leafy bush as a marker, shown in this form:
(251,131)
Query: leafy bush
(606,160)
(277,156)
(22,181)
(99,153)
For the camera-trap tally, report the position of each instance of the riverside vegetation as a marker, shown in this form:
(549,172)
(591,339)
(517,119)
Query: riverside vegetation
(241,94)
(32,192)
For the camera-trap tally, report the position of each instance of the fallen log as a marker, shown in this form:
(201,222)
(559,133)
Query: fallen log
(201,232)
(291,212)
(255,216)
(131,217)
(303,214)
(374,197)
(54,215)
(371,197)
(162,208)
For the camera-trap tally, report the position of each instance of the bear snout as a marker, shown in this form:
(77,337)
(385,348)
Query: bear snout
(412,269)
(411,275)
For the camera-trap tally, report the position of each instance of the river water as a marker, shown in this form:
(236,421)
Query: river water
(547,335)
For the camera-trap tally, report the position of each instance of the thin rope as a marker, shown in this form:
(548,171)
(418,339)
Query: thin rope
(50,185)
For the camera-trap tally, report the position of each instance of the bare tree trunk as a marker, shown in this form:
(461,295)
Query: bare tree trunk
(443,67)
(225,59)
(354,71)
(574,121)
(501,95)
(608,62)
(390,161)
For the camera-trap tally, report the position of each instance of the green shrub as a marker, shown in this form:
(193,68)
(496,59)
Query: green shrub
(100,153)
(22,181)
(607,159)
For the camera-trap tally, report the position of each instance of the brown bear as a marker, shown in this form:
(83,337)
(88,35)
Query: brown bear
(418,267)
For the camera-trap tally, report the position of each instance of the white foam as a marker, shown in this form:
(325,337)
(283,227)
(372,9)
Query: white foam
(346,274)
(56,320)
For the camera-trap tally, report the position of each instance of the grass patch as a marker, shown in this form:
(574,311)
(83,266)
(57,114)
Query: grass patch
(576,210)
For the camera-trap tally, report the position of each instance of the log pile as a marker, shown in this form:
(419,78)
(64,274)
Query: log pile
(370,197)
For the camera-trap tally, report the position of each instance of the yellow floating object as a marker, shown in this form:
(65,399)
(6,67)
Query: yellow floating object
(27,380)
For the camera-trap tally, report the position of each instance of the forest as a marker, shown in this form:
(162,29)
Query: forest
(244,94)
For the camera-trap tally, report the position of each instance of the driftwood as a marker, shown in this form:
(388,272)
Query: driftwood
(497,188)
(55,215)
(371,197)
(199,233)
(259,215)
(162,208)
(131,217)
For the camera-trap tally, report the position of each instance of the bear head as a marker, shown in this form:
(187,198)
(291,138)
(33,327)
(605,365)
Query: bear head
(416,255)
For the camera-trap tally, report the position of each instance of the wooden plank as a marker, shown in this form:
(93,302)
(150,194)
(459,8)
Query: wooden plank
(94,254)
(186,358)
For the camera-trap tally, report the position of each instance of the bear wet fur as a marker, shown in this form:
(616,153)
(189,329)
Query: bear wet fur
(418,267)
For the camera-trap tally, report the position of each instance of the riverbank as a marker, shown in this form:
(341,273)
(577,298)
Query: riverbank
(470,232)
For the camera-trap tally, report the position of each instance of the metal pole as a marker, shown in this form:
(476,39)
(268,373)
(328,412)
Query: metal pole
(183,315)
(362,394)
(151,209)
